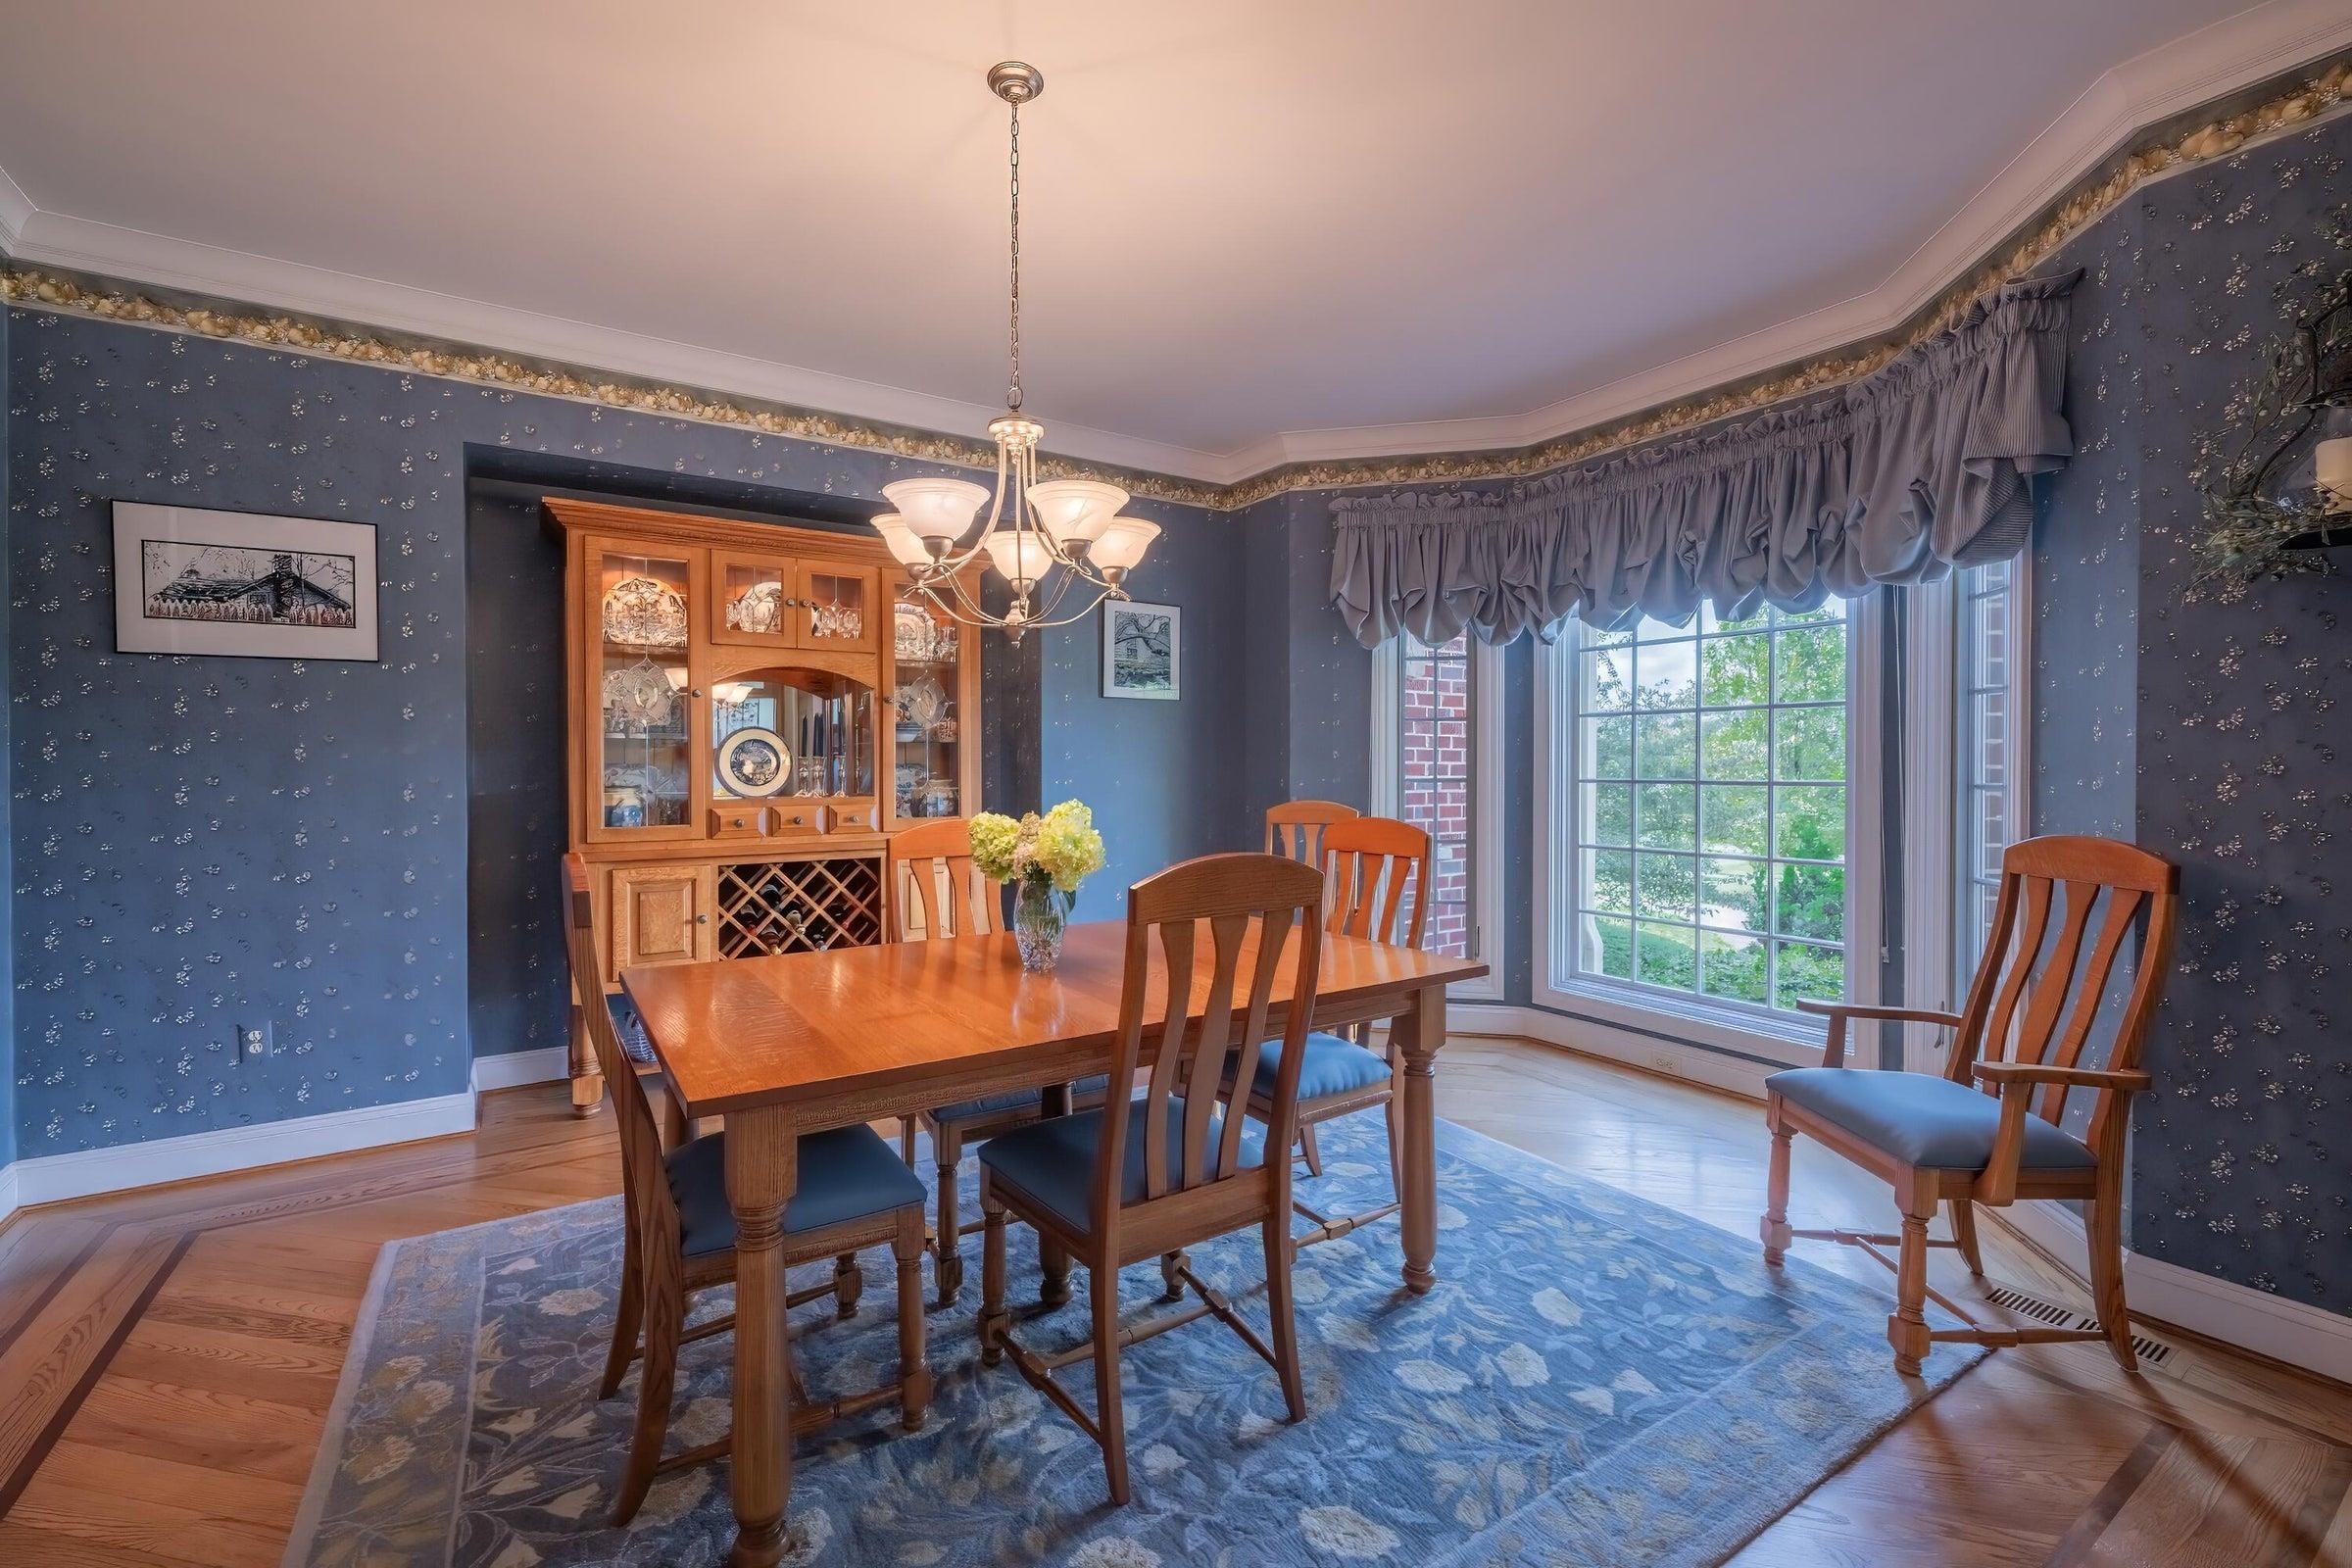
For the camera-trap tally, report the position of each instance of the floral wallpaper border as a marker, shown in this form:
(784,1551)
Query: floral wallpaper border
(2294,106)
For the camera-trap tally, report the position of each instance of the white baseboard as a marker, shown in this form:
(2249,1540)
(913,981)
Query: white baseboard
(518,1067)
(8,1193)
(2307,1336)
(1713,1069)
(84,1173)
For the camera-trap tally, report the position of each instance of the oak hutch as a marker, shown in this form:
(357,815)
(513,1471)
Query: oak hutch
(753,711)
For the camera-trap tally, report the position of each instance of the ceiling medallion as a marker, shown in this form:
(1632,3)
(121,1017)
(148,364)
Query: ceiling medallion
(1042,539)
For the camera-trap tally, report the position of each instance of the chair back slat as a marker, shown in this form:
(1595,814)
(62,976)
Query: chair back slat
(935,876)
(2022,958)
(2048,992)
(1205,1074)
(646,1189)
(1250,908)
(1371,865)
(2138,891)
(1295,829)
(2123,907)
(1176,940)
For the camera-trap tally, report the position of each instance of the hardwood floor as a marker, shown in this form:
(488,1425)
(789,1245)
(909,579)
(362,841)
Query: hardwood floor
(167,1358)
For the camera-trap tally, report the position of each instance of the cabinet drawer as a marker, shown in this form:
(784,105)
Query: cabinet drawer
(792,817)
(739,819)
(853,817)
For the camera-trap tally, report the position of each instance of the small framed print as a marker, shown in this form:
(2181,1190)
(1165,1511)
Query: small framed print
(1141,656)
(243,585)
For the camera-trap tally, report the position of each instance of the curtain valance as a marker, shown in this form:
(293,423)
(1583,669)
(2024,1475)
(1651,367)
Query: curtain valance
(1916,469)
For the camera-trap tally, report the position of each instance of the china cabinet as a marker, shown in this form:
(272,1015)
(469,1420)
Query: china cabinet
(753,711)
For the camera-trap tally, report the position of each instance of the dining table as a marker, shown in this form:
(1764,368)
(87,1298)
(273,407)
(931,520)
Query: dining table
(780,1046)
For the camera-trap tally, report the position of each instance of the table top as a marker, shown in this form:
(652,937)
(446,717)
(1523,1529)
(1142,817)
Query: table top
(734,1033)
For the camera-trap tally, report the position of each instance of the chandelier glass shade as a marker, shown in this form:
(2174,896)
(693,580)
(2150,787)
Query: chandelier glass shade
(1044,541)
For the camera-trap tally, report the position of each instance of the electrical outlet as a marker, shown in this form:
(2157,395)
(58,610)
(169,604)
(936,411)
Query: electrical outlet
(253,1040)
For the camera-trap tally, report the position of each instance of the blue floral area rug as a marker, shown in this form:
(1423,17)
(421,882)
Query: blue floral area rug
(1595,1381)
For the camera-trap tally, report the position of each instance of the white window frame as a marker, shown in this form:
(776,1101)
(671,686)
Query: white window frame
(1791,1039)
(1486,824)
(1934,784)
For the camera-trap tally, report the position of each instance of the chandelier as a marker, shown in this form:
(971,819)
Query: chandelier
(1045,540)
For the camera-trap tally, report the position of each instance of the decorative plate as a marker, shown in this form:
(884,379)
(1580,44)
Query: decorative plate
(910,633)
(645,613)
(754,761)
(639,695)
(758,609)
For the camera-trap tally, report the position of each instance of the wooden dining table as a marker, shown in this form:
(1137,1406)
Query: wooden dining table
(778,1046)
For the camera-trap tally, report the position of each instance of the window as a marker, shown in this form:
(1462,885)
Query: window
(1433,779)
(1437,732)
(1706,788)
(1991,760)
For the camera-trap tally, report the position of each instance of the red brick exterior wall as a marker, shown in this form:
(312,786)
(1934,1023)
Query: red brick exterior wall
(1434,783)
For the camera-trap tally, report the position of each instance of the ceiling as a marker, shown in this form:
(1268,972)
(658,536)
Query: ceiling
(1250,233)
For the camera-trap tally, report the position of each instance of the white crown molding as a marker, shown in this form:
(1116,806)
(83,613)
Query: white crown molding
(79,244)
(55,1178)
(2226,57)
(15,207)
(516,1069)
(2169,1296)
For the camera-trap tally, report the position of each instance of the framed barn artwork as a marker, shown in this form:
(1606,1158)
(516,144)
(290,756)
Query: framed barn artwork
(1141,656)
(243,585)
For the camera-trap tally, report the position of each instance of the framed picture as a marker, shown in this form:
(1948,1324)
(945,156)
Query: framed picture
(1140,649)
(242,584)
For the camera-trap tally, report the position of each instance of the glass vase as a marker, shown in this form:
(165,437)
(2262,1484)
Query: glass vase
(1041,914)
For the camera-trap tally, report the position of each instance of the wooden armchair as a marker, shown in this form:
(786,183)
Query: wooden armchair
(1145,1178)
(1990,1129)
(679,1238)
(936,892)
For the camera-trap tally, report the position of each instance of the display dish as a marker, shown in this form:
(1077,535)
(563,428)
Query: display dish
(754,762)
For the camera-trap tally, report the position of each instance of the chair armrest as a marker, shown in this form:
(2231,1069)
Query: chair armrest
(2001,1074)
(1838,1011)
(1998,1183)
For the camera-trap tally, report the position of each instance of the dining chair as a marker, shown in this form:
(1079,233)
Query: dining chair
(679,1238)
(937,891)
(1295,828)
(1145,1177)
(1374,870)
(1992,1128)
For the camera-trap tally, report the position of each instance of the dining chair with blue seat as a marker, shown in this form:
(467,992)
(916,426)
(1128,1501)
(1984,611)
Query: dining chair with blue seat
(1992,1128)
(1146,1177)
(679,1238)
(936,892)
(1375,870)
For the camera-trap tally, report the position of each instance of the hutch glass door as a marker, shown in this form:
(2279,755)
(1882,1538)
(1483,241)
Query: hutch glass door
(642,740)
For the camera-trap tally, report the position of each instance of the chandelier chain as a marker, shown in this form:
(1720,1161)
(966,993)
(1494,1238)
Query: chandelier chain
(1013,393)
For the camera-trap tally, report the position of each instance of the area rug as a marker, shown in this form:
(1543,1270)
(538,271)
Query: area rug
(1595,1381)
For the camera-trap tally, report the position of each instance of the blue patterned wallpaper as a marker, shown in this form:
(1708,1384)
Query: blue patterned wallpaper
(2242,768)
(201,841)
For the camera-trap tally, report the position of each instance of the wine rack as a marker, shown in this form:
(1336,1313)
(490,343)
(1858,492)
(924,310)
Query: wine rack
(799,906)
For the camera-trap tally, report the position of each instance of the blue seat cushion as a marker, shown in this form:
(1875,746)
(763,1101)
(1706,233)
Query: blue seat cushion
(1054,1161)
(846,1174)
(1925,1121)
(1331,1067)
(1012,1099)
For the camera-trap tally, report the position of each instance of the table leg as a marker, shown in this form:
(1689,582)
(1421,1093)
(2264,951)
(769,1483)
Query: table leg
(1053,1260)
(1421,1034)
(763,1156)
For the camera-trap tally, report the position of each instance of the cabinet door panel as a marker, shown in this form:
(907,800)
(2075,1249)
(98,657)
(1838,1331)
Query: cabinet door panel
(662,915)
(839,608)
